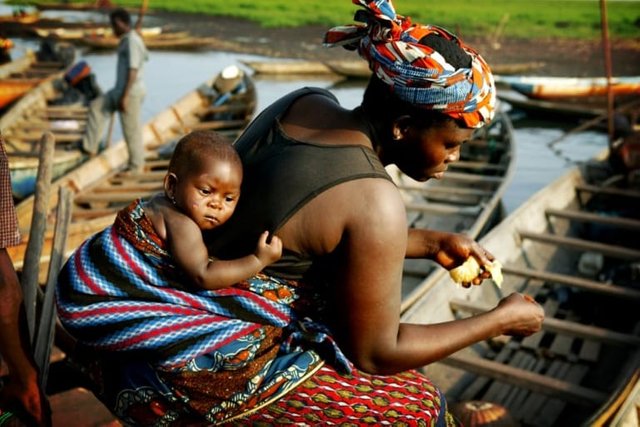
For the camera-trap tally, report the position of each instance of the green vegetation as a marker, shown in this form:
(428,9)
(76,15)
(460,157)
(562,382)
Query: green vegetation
(521,18)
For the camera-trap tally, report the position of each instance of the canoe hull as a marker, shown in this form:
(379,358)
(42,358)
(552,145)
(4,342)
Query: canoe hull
(555,88)
(23,179)
(551,248)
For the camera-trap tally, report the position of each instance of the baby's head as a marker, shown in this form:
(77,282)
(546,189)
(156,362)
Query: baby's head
(204,178)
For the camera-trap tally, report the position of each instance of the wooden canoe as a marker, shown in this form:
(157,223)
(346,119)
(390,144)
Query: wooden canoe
(23,74)
(79,34)
(12,89)
(163,41)
(26,26)
(101,186)
(355,68)
(22,126)
(568,87)
(550,109)
(298,67)
(573,247)
(468,199)
(79,7)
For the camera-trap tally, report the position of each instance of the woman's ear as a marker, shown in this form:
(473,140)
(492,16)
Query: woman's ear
(169,183)
(400,126)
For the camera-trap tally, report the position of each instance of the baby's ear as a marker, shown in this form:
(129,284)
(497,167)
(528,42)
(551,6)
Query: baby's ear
(169,184)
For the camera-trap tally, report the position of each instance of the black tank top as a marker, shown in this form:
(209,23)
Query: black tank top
(281,175)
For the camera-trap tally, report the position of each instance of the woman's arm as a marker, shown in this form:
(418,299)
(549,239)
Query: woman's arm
(372,250)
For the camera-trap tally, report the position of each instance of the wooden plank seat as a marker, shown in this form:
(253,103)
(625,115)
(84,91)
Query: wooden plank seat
(138,176)
(128,187)
(441,189)
(218,124)
(573,281)
(545,384)
(473,178)
(608,191)
(443,209)
(582,244)
(88,214)
(575,215)
(35,135)
(469,164)
(112,197)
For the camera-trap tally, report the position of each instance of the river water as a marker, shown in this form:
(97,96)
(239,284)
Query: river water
(170,75)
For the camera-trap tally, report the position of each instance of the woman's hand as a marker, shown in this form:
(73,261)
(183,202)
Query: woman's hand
(521,315)
(454,249)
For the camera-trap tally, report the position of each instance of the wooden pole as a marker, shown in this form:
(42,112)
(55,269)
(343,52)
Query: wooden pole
(31,266)
(46,325)
(606,46)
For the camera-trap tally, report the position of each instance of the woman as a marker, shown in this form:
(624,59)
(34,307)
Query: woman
(316,339)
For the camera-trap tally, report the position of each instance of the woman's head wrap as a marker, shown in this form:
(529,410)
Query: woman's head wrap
(416,73)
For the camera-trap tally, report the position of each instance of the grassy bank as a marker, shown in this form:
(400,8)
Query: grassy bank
(513,18)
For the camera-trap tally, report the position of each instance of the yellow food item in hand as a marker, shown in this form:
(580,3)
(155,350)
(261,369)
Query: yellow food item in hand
(470,269)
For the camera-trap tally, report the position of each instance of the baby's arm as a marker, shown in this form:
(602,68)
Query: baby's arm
(185,242)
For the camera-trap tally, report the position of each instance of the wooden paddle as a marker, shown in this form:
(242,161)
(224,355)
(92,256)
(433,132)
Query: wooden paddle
(143,9)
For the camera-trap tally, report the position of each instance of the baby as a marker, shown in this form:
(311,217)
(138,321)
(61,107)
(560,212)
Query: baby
(201,191)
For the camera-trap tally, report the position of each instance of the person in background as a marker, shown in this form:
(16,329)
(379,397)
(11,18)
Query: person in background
(21,395)
(126,96)
(5,50)
(316,338)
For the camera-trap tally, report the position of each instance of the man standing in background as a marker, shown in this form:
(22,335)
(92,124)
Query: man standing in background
(127,95)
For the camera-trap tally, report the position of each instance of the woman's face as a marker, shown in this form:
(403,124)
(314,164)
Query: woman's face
(210,194)
(424,153)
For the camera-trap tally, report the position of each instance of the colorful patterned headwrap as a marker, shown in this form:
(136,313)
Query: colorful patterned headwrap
(416,73)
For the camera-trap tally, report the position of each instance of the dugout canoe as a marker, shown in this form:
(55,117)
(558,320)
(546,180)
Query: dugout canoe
(468,199)
(101,185)
(44,108)
(23,74)
(551,109)
(78,35)
(164,41)
(573,246)
(80,7)
(354,68)
(569,87)
(297,67)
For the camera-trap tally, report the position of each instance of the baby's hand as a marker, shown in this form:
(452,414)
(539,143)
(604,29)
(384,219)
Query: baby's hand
(270,252)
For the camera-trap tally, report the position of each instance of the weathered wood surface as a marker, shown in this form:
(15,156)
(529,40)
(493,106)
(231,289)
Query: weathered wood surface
(588,348)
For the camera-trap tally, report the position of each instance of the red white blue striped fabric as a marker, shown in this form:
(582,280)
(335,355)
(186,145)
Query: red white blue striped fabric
(416,73)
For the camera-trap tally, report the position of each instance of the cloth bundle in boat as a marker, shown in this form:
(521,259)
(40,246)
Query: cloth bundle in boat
(77,73)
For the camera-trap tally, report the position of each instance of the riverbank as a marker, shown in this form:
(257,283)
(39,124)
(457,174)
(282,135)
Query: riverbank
(579,58)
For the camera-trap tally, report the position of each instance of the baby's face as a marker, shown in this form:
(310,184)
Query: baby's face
(210,194)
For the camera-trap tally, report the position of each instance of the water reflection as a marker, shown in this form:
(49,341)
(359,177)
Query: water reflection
(170,75)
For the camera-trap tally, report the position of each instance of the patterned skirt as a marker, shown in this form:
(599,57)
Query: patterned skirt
(328,398)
